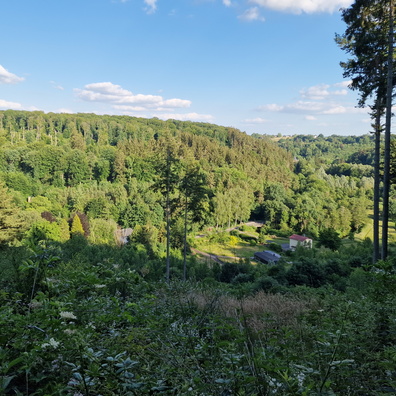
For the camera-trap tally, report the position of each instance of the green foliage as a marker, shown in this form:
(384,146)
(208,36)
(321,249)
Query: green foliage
(76,226)
(102,231)
(86,316)
(19,181)
(275,247)
(111,166)
(330,239)
(10,221)
(99,327)
(246,228)
(44,230)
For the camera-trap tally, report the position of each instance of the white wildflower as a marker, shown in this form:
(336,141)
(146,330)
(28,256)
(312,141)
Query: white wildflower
(99,286)
(300,379)
(51,280)
(67,315)
(70,331)
(52,343)
(35,304)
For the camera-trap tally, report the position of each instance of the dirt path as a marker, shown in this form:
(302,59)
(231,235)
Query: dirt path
(250,223)
(214,257)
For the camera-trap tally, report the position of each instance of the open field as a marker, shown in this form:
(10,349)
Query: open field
(240,250)
(367,231)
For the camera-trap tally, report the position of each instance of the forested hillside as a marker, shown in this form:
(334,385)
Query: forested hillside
(108,169)
(82,313)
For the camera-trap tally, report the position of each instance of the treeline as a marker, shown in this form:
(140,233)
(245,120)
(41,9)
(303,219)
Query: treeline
(114,169)
(331,150)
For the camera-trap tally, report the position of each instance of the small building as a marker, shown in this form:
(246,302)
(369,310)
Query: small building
(299,240)
(122,235)
(267,257)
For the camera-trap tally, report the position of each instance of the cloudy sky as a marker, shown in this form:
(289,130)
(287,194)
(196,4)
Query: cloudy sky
(265,66)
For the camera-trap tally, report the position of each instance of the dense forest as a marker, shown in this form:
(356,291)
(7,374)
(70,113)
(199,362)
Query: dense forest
(84,313)
(109,169)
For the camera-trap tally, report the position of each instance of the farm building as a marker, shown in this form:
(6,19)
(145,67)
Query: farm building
(267,257)
(299,240)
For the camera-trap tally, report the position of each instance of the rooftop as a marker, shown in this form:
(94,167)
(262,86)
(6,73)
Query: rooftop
(299,238)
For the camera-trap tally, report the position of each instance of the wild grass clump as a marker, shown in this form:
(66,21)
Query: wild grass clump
(259,312)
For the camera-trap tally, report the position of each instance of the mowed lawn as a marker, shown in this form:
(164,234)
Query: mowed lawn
(367,231)
(242,249)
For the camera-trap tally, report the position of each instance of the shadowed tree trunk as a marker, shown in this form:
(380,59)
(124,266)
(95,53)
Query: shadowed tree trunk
(377,132)
(389,97)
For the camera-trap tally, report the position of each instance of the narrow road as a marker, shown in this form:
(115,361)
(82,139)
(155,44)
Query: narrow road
(213,257)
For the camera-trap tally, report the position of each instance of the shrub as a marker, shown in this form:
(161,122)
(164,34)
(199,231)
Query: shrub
(246,228)
(275,247)
(76,226)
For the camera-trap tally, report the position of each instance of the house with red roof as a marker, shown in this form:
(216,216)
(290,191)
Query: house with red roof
(299,240)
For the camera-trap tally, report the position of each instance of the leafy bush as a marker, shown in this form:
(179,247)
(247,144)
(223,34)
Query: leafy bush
(246,228)
(275,247)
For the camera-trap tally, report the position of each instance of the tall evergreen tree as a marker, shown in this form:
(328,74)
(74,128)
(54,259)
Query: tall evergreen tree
(10,223)
(76,227)
(193,188)
(168,167)
(367,40)
(389,101)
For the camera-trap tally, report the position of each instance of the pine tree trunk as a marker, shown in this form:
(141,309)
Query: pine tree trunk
(385,216)
(185,242)
(376,238)
(168,219)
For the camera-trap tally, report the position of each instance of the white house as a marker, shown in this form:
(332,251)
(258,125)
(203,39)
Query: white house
(299,240)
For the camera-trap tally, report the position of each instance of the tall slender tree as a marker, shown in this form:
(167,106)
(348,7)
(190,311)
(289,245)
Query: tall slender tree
(389,97)
(194,196)
(167,166)
(367,40)
(10,221)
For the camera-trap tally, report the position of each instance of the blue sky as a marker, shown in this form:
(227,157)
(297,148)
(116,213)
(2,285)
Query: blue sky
(265,66)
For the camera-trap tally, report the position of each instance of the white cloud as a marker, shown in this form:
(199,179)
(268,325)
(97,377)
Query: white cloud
(117,96)
(151,6)
(317,92)
(251,14)
(187,117)
(257,120)
(56,86)
(8,78)
(107,88)
(344,84)
(302,107)
(335,110)
(307,6)
(322,91)
(10,105)
(66,111)
(129,108)
(227,3)
(321,99)
(271,107)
